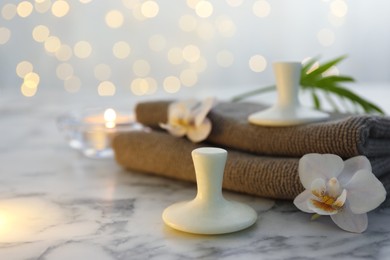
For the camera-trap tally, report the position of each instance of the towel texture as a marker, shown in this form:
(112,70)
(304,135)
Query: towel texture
(266,176)
(162,154)
(262,161)
(346,136)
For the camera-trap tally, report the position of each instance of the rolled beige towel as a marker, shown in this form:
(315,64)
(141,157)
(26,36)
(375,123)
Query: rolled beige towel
(162,154)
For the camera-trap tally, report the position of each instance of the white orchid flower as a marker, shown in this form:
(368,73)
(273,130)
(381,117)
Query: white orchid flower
(189,118)
(345,190)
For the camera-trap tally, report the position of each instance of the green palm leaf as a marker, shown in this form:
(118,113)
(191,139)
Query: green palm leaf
(315,81)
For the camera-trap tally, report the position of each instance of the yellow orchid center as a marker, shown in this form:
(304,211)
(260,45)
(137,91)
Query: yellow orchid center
(183,121)
(329,198)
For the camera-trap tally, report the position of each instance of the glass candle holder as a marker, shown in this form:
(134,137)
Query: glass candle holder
(92,130)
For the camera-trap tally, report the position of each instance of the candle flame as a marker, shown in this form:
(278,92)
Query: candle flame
(110,117)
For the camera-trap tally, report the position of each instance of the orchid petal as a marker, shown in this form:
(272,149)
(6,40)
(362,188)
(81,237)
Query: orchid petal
(349,221)
(189,117)
(365,192)
(181,111)
(318,187)
(340,201)
(199,133)
(178,131)
(351,166)
(300,201)
(193,107)
(314,166)
(176,111)
(165,126)
(204,109)
(334,189)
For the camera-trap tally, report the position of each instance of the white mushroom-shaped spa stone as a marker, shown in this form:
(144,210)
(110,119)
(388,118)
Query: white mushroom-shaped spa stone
(209,212)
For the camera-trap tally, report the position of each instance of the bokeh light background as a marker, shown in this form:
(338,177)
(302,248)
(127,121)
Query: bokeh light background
(147,47)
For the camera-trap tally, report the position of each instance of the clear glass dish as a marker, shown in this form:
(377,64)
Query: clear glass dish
(92,130)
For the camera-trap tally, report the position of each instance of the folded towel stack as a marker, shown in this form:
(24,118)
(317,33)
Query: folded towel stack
(262,161)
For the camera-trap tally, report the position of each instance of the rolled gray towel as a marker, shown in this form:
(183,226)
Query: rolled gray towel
(344,135)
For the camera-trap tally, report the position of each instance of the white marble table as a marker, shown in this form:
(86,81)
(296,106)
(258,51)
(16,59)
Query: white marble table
(57,204)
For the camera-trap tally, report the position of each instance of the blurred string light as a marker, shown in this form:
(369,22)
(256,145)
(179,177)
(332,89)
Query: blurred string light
(257,63)
(60,8)
(189,58)
(141,68)
(137,14)
(225,26)
(114,19)
(5,35)
(106,88)
(225,58)
(24,9)
(23,68)
(40,33)
(338,8)
(42,6)
(8,11)
(149,9)
(188,77)
(30,84)
(261,8)
(204,9)
(172,84)
(152,84)
(64,71)
(131,4)
(85,1)
(143,86)
(191,53)
(142,10)
(192,3)
(31,80)
(234,3)
(52,44)
(175,56)
(121,50)
(64,53)
(82,49)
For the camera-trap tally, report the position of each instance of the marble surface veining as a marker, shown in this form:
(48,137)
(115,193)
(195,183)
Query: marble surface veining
(57,204)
